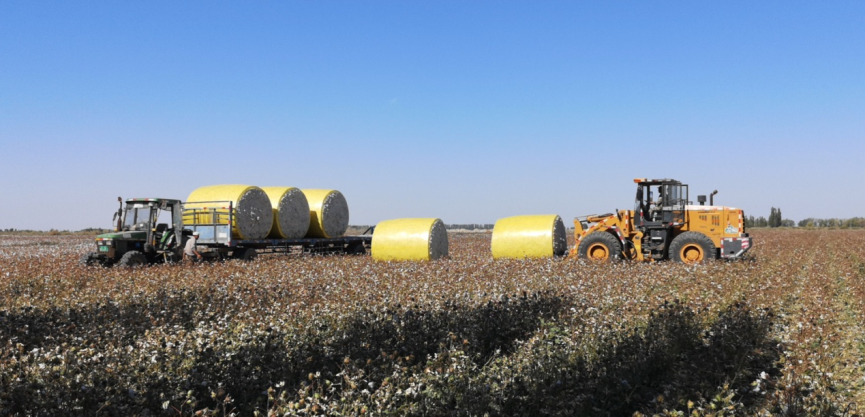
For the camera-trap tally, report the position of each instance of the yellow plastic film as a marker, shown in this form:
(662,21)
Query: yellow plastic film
(534,236)
(328,213)
(410,240)
(253,214)
(290,212)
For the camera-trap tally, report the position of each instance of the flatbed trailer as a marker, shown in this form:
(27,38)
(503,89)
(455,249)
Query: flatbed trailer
(214,227)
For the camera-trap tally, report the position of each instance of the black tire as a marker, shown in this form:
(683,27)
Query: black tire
(132,259)
(247,254)
(600,247)
(90,259)
(692,248)
(356,249)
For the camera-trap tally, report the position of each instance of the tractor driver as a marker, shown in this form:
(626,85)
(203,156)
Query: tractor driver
(190,251)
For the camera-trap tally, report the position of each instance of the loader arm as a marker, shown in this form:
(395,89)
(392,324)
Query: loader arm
(610,223)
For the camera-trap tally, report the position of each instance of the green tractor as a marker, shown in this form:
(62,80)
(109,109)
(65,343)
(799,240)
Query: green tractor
(148,231)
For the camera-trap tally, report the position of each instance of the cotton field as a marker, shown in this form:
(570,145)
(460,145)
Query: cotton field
(778,333)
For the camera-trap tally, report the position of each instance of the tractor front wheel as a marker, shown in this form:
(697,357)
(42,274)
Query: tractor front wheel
(692,248)
(90,259)
(132,259)
(600,247)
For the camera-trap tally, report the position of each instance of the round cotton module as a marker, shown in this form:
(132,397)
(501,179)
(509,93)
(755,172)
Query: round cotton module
(290,212)
(537,236)
(328,213)
(252,217)
(409,240)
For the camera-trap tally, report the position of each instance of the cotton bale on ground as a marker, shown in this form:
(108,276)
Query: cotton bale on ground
(328,213)
(535,236)
(253,213)
(290,212)
(410,240)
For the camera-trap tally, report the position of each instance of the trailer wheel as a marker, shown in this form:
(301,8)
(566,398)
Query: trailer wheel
(356,249)
(600,247)
(247,254)
(692,248)
(132,259)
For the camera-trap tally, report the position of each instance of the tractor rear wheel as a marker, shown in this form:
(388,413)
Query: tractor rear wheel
(600,247)
(692,248)
(132,259)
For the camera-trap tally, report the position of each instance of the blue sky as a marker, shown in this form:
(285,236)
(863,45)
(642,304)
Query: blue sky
(466,111)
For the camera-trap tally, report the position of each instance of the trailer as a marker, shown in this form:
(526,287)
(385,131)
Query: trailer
(214,223)
(155,230)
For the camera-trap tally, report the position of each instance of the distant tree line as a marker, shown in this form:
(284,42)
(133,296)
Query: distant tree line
(838,223)
(776,220)
(470,226)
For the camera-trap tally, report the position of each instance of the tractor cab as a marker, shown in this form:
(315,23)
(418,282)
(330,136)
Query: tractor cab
(147,230)
(159,218)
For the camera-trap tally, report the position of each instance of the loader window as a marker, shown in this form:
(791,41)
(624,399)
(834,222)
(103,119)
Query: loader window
(675,195)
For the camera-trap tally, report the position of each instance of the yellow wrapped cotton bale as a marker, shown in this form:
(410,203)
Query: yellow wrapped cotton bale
(253,214)
(540,236)
(409,240)
(290,212)
(328,213)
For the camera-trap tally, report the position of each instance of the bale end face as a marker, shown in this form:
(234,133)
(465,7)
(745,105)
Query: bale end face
(290,212)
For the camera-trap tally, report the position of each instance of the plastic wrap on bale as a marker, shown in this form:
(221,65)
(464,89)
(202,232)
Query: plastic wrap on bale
(290,212)
(253,214)
(328,213)
(423,239)
(534,236)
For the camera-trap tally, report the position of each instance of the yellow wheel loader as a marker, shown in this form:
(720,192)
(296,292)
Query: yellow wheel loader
(663,225)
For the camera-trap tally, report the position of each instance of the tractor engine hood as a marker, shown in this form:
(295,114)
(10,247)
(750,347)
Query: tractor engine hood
(130,235)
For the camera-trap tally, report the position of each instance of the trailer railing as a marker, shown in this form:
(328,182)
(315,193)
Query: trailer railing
(211,219)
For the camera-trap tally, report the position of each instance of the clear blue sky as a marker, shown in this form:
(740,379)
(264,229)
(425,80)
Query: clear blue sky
(466,111)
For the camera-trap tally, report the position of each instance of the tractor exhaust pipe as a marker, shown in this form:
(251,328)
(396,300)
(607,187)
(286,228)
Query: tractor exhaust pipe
(712,198)
(119,215)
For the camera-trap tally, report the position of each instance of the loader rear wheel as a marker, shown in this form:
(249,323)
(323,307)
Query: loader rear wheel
(132,259)
(692,248)
(600,247)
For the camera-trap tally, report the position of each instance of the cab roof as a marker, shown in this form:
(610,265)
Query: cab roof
(665,181)
(152,200)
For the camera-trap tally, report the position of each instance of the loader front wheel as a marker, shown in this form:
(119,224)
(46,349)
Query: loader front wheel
(692,248)
(600,247)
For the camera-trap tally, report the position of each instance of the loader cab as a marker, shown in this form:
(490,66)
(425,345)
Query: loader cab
(660,203)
